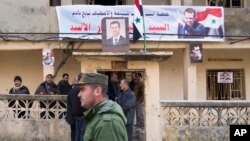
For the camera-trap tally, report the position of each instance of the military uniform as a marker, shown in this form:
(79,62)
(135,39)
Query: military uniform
(105,121)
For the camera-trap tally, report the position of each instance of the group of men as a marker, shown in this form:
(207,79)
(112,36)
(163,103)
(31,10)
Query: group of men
(110,113)
(48,87)
(108,117)
(130,96)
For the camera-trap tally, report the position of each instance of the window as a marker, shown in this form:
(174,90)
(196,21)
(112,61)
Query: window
(226,3)
(54,2)
(226,91)
(107,2)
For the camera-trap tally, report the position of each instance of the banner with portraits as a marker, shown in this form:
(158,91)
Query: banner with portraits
(162,23)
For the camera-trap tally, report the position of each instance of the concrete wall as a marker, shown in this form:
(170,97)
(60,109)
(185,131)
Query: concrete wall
(28,64)
(225,54)
(34,130)
(171,76)
(171,71)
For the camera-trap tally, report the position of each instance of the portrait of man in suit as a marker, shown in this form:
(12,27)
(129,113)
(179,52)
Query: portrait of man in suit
(115,36)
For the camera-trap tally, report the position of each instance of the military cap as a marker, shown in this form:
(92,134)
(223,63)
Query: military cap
(92,78)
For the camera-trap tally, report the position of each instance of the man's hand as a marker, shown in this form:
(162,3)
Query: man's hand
(179,19)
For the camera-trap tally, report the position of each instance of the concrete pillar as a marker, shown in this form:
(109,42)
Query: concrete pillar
(48,70)
(190,77)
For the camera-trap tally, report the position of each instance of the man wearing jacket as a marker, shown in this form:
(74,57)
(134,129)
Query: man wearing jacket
(127,101)
(105,119)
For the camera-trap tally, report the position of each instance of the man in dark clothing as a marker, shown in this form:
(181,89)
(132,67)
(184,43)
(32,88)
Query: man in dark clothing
(113,87)
(19,89)
(74,114)
(127,101)
(133,81)
(189,27)
(105,119)
(140,101)
(64,85)
(48,87)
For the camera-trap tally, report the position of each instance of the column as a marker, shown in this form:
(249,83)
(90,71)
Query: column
(190,77)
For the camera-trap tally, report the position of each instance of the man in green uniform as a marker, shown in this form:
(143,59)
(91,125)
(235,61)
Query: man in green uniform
(105,119)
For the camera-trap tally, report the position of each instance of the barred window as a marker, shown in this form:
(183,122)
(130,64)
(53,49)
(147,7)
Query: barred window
(232,90)
(226,3)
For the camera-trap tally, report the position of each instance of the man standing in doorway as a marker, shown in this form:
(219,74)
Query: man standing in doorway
(140,101)
(113,87)
(127,101)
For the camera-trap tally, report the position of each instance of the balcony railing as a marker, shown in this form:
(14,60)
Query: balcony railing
(32,106)
(202,120)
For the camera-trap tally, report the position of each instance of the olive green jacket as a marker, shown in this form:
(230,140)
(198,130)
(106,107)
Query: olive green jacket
(105,122)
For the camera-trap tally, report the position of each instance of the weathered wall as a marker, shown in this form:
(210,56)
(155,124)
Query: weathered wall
(171,76)
(171,71)
(225,54)
(28,64)
(34,130)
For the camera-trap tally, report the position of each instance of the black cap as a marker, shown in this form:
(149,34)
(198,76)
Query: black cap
(18,78)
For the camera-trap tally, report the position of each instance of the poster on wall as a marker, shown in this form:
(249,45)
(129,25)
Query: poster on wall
(115,36)
(225,77)
(196,53)
(48,57)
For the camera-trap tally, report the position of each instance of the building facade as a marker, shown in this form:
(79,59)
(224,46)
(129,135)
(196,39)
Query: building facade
(28,27)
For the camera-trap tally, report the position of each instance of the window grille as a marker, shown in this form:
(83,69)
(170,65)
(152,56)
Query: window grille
(226,3)
(226,91)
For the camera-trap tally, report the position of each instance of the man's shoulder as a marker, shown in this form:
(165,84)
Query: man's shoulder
(122,38)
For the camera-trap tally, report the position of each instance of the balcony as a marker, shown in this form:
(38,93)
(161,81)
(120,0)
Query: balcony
(202,120)
(29,117)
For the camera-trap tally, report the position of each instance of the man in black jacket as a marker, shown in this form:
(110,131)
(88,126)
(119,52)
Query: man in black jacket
(74,114)
(19,89)
(64,85)
(127,101)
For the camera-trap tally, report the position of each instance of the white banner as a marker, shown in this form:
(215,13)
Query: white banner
(162,23)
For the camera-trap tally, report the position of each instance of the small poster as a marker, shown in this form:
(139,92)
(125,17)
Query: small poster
(48,57)
(225,77)
(196,53)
